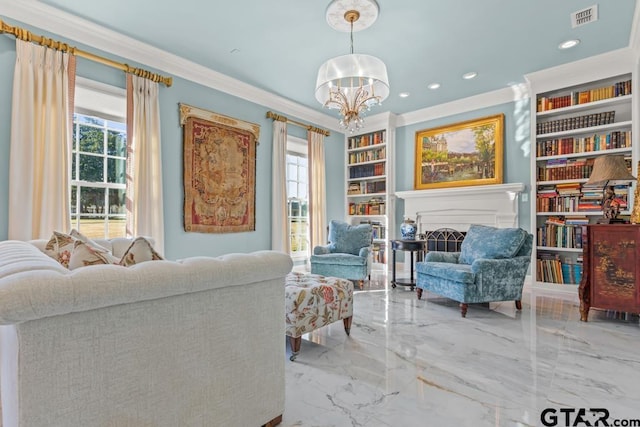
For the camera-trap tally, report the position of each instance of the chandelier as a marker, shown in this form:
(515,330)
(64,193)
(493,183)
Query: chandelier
(352,83)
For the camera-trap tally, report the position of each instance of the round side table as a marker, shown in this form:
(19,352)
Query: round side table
(410,246)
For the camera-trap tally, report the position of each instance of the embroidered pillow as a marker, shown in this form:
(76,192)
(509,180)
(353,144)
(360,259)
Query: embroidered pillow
(79,236)
(59,247)
(139,251)
(486,242)
(84,255)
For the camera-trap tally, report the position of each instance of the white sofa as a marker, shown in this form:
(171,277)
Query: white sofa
(197,342)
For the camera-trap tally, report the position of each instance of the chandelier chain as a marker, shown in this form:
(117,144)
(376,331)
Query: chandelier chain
(352,36)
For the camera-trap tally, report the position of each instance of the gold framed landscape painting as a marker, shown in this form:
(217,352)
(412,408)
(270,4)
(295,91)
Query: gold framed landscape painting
(459,155)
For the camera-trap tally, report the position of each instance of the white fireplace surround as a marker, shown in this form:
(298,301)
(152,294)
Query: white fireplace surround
(458,208)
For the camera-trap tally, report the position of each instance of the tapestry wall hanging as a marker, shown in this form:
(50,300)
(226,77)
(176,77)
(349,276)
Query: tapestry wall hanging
(219,171)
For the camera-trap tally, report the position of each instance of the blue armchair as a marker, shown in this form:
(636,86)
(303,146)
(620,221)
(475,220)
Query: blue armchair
(491,266)
(348,254)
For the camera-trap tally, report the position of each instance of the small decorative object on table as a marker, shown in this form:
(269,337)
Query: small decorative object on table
(607,170)
(408,229)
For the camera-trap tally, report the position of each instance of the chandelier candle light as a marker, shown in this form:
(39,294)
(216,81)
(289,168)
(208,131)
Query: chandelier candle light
(352,83)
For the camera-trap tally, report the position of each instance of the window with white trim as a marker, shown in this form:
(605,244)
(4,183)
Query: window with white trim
(298,198)
(98,167)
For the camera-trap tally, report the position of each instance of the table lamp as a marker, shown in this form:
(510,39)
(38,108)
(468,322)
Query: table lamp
(608,170)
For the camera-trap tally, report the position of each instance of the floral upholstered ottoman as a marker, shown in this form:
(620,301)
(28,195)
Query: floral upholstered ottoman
(313,301)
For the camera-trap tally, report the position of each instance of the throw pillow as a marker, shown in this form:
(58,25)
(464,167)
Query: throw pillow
(79,236)
(59,247)
(84,254)
(347,238)
(139,251)
(486,242)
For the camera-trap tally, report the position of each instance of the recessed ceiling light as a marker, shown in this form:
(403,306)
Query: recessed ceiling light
(469,75)
(434,86)
(568,44)
(403,94)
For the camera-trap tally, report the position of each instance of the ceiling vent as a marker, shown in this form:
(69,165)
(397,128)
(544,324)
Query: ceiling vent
(584,16)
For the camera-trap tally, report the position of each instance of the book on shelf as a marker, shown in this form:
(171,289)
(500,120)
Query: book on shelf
(576,122)
(571,273)
(564,169)
(379,252)
(366,140)
(378,230)
(556,233)
(576,220)
(550,269)
(365,171)
(620,88)
(374,206)
(585,144)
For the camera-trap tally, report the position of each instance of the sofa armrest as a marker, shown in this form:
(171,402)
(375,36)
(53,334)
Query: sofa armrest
(365,252)
(321,250)
(501,274)
(450,257)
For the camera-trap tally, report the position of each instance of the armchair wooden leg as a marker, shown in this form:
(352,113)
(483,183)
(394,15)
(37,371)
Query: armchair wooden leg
(295,347)
(463,309)
(361,284)
(518,304)
(347,324)
(419,292)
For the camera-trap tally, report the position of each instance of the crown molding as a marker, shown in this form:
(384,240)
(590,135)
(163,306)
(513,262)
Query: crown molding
(48,18)
(634,36)
(484,100)
(595,67)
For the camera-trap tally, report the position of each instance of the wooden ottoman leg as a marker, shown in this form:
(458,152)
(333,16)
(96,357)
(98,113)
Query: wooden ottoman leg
(518,304)
(274,422)
(347,324)
(419,292)
(295,347)
(463,309)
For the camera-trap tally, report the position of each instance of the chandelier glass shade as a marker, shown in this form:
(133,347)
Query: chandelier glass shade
(352,84)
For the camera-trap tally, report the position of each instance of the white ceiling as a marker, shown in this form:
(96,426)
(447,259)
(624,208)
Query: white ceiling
(278,46)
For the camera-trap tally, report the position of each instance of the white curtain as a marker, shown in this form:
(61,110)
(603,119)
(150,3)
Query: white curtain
(279,219)
(40,157)
(144,161)
(317,190)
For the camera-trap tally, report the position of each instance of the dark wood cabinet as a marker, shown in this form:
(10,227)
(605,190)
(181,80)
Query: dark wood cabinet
(611,266)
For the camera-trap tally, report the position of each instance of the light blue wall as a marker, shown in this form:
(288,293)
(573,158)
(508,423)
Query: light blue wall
(178,243)
(7,61)
(181,244)
(517,146)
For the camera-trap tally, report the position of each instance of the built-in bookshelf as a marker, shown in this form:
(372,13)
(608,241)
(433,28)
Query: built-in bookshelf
(573,126)
(370,184)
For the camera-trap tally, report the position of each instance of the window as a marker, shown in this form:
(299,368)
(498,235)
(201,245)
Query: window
(98,167)
(297,197)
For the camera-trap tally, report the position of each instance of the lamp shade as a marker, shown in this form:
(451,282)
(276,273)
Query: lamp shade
(609,168)
(350,72)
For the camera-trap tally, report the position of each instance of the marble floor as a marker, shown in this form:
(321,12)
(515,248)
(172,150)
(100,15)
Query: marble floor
(419,363)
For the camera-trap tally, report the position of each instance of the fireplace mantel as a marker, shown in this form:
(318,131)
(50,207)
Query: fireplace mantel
(459,207)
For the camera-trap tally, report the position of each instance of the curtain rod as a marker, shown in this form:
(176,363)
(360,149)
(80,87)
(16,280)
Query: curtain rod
(28,36)
(274,116)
